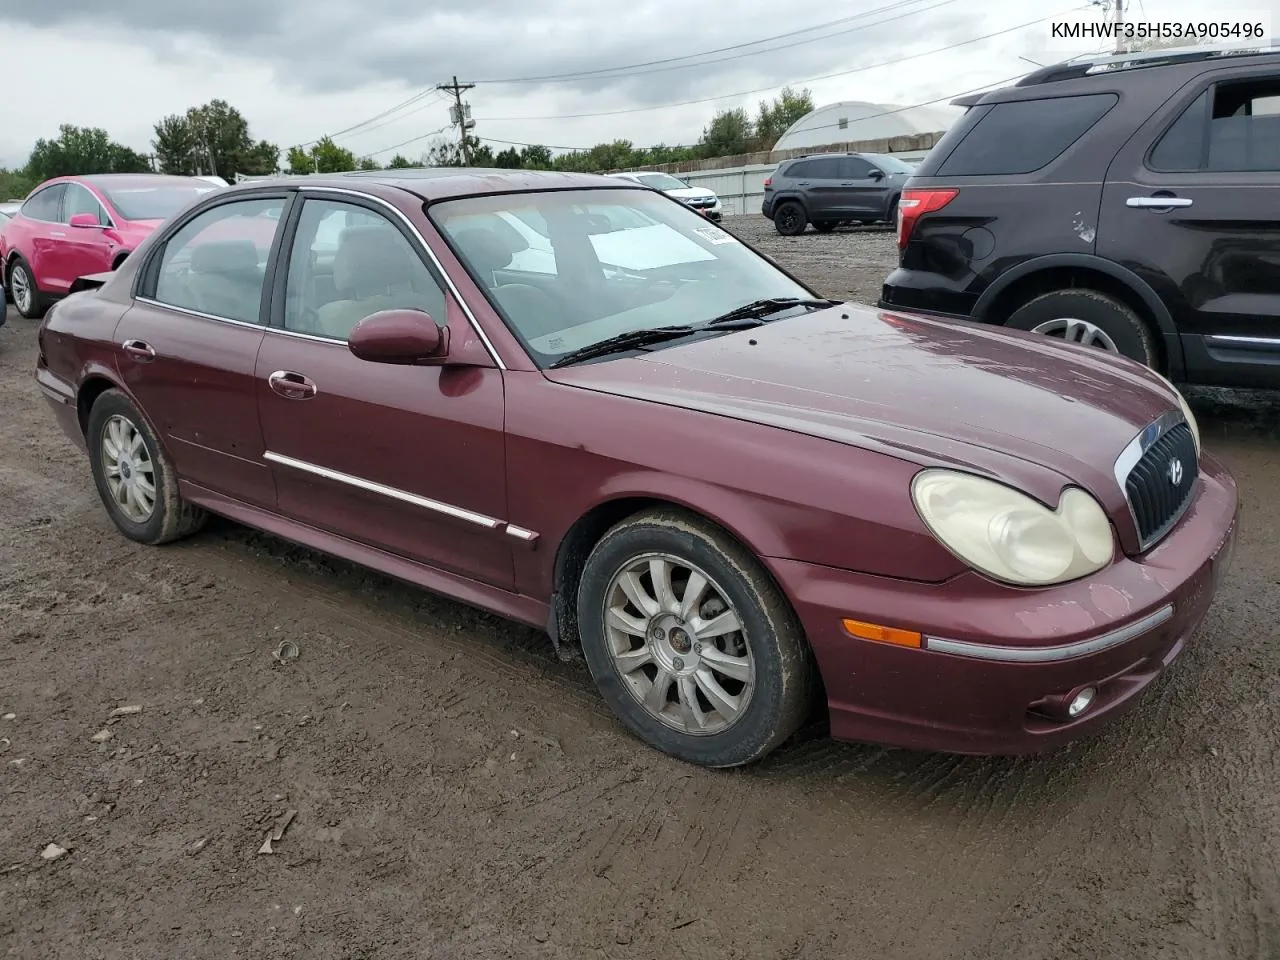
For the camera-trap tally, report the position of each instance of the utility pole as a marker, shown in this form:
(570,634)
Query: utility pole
(1120,44)
(460,113)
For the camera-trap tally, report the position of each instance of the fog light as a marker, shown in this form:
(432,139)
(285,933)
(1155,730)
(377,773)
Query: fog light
(1081,702)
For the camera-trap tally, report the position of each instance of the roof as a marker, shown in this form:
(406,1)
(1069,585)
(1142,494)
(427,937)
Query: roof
(131,179)
(442,183)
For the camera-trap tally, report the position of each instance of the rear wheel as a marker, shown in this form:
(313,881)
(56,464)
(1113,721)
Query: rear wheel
(1090,319)
(134,477)
(26,295)
(690,642)
(790,219)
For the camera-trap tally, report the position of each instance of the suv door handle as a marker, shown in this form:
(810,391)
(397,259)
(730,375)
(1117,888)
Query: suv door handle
(139,350)
(292,386)
(1159,203)
(802,183)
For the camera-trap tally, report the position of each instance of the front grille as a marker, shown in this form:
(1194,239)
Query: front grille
(701,201)
(1160,485)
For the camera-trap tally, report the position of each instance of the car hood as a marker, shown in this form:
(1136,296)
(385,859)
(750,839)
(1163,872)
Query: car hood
(1021,408)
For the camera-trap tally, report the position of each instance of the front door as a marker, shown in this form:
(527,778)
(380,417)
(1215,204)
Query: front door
(1192,203)
(189,345)
(84,250)
(410,459)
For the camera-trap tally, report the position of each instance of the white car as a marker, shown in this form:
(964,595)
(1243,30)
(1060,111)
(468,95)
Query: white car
(699,198)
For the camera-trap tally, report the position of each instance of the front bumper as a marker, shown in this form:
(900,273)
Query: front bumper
(1001,661)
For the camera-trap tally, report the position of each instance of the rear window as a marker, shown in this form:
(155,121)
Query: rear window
(1012,138)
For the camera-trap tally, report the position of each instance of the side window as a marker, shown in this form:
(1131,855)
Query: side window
(1230,128)
(855,168)
(80,200)
(45,205)
(799,171)
(827,168)
(348,262)
(1024,136)
(216,263)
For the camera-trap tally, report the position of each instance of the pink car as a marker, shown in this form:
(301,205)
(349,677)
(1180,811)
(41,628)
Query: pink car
(70,227)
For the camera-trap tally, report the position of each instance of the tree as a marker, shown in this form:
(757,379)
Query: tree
(535,157)
(81,150)
(14,184)
(448,153)
(368,163)
(508,159)
(399,162)
(212,139)
(325,156)
(775,117)
(730,132)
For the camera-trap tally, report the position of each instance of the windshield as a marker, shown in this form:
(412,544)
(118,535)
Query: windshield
(154,202)
(661,181)
(891,164)
(568,269)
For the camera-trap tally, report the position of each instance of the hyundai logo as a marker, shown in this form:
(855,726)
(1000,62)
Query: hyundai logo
(1175,472)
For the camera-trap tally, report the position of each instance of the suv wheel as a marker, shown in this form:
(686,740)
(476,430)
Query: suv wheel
(26,295)
(789,219)
(1091,319)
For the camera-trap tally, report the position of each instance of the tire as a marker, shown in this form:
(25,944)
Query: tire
(1090,318)
(790,219)
(770,651)
(892,218)
(27,298)
(169,518)
(824,226)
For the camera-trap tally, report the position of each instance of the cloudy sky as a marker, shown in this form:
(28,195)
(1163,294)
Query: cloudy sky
(299,69)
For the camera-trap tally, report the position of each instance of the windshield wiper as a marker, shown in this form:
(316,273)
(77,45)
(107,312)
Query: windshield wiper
(640,338)
(759,309)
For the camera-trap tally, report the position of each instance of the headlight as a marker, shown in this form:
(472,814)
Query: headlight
(1186,410)
(1009,536)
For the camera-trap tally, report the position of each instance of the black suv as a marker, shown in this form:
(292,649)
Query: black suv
(1129,202)
(829,189)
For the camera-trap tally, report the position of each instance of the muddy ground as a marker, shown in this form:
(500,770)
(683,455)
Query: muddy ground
(459,793)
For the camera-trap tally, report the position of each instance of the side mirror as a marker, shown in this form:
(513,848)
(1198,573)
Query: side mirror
(876,174)
(405,337)
(84,220)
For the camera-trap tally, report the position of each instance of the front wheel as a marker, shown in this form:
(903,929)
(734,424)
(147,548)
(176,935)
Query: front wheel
(789,219)
(1090,319)
(690,642)
(134,477)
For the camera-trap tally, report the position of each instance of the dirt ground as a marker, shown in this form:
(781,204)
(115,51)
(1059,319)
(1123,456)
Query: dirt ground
(459,793)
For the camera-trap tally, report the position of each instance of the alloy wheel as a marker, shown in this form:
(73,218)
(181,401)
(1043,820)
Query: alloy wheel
(678,644)
(20,287)
(128,469)
(1078,331)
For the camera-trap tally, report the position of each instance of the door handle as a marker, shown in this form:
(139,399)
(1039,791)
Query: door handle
(56,233)
(292,386)
(139,350)
(802,183)
(1158,203)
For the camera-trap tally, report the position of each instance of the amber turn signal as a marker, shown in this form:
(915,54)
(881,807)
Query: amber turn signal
(882,634)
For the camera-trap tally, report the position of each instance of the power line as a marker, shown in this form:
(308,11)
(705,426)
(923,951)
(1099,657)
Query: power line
(622,71)
(433,102)
(689,56)
(828,76)
(405,143)
(686,146)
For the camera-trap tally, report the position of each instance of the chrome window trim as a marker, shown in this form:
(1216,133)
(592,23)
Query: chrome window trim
(196,313)
(1068,651)
(1134,452)
(32,196)
(110,224)
(426,248)
(1273,342)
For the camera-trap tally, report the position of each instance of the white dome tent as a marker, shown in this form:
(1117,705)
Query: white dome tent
(850,121)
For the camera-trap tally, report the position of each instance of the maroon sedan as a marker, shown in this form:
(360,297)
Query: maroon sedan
(577,403)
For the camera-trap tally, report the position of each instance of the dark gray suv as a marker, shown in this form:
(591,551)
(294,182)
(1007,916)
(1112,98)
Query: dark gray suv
(831,189)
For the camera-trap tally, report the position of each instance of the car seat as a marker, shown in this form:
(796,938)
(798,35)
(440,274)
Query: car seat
(225,279)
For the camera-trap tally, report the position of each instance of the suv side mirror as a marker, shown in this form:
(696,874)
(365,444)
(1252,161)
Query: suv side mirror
(876,173)
(87,220)
(405,337)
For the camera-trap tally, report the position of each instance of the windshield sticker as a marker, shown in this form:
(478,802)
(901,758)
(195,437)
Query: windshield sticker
(712,235)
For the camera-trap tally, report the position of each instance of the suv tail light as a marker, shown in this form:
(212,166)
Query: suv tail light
(768,182)
(914,204)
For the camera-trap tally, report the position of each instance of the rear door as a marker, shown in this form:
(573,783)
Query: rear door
(819,183)
(189,344)
(1192,202)
(38,229)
